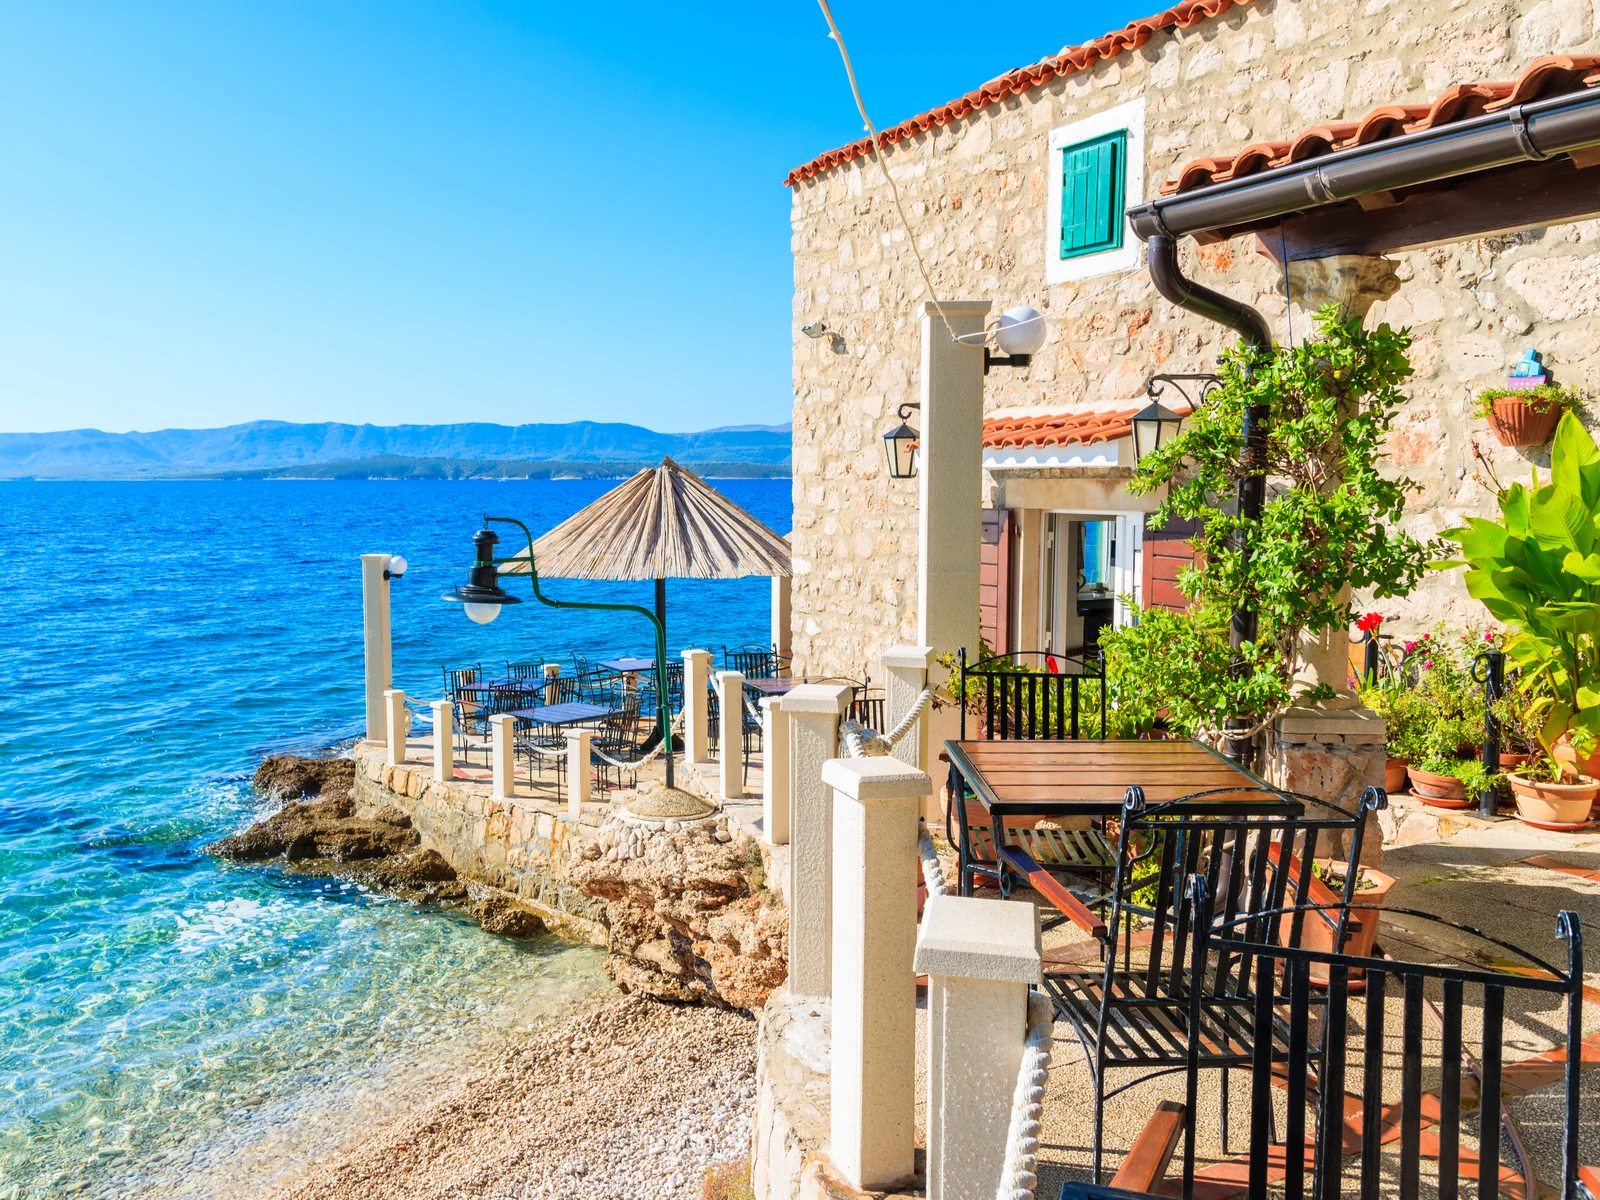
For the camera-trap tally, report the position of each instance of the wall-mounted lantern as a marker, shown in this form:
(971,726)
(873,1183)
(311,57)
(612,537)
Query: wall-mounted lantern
(901,446)
(1156,424)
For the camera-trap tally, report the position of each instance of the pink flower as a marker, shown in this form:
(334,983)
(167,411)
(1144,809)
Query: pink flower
(1410,646)
(1488,637)
(1428,664)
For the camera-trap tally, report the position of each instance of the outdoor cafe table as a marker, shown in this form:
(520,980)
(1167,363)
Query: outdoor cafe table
(628,666)
(778,685)
(573,713)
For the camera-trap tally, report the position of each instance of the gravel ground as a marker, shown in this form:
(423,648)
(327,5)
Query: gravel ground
(636,1099)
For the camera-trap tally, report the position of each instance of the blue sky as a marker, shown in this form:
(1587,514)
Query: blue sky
(454,211)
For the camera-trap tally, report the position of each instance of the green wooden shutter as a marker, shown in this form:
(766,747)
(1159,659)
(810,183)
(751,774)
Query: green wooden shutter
(1091,195)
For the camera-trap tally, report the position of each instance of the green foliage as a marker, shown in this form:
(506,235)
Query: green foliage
(1440,718)
(1543,396)
(1537,570)
(1329,520)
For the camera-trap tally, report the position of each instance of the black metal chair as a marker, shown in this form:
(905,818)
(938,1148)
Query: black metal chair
(753,662)
(866,706)
(1351,1127)
(1255,849)
(527,669)
(619,737)
(466,706)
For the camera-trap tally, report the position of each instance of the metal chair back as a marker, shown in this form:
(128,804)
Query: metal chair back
(753,662)
(1031,696)
(866,707)
(527,669)
(1342,1156)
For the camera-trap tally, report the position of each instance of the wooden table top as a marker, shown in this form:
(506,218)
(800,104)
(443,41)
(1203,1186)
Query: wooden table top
(1089,777)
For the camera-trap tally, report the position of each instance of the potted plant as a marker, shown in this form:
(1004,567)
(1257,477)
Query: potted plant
(1326,891)
(1524,416)
(1435,726)
(1537,570)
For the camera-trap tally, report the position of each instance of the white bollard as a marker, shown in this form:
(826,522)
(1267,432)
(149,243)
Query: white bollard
(552,677)
(696,712)
(579,742)
(444,741)
(905,672)
(774,772)
(730,700)
(812,713)
(375,642)
(394,704)
(872,1127)
(979,956)
(502,754)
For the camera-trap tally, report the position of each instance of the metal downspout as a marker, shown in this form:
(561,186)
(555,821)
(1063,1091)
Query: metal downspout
(1252,326)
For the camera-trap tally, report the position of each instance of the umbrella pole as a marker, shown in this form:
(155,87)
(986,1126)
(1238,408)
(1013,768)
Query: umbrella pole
(663,723)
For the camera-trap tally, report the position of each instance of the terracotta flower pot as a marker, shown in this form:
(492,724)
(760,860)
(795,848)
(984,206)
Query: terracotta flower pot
(1561,806)
(1440,791)
(1318,929)
(1522,422)
(1510,762)
(1394,775)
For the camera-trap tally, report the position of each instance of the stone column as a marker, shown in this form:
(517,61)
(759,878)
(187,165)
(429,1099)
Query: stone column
(905,672)
(552,675)
(579,743)
(979,957)
(1333,755)
(696,712)
(730,702)
(874,1045)
(396,718)
(502,755)
(781,642)
(375,641)
(444,741)
(774,772)
(950,474)
(812,712)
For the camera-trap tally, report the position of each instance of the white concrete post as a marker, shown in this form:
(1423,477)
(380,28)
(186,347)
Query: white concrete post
(551,673)
(774,772)
(696,712)
(781,640)
(812,712)
(396,719)
(876,802)
(730,702)
(578,781)
(979,957)
(905,673)
(444,741)
(502,754)
(375,640)
(950,474)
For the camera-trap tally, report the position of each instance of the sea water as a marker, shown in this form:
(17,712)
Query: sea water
(172,1022)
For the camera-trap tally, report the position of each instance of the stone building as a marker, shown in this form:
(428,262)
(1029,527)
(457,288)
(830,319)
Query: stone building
(1006,192)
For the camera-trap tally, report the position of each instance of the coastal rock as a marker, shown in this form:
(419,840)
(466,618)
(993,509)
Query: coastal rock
(291,776)
(321,829)
(688,917)
(498,913)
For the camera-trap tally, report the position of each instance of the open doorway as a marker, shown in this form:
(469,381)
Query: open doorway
(1090,568)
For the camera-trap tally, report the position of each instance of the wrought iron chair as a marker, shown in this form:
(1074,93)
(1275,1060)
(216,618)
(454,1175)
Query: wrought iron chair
(1338,1123)
(466,706)
(753,662)
(527,669)
(1255,850)
(1008,700)
(866,706)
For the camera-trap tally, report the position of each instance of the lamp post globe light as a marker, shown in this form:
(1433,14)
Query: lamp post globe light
(1020,330)
(900,445)
(482,597)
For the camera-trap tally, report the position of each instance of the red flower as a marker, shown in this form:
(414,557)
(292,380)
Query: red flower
(1051,665)
(1370,622)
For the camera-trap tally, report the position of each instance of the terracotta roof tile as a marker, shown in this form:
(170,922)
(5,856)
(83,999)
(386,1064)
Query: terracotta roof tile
(1547,76)
(1058,429)
(1071,60)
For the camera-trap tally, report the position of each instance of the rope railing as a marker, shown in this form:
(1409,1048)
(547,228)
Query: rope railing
(1019,1176)
(932,868)
(862,741)
(677,728)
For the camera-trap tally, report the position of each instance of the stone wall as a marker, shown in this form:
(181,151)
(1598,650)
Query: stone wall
(975,193)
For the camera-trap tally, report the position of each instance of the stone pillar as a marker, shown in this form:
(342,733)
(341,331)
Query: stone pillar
(730,702)
(781,641)
(696,712)
(874,1045)
(979,957)
(502,756)
(444,741)
(774,772)
(375,640)
(552,676)
(950,475)
(905,672)
(812,712)
(1333,755)
(396,718)
(579,743)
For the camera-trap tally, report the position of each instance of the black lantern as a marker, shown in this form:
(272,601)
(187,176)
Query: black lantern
(1152,425)
(901,446)
(482,596)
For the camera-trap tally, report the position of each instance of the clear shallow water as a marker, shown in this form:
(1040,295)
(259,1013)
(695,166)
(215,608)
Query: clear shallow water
(156,640)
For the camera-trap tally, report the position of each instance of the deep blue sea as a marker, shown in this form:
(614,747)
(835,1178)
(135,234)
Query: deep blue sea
(170,1023)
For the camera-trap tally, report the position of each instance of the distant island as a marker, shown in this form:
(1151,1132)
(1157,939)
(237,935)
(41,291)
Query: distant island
(283,450)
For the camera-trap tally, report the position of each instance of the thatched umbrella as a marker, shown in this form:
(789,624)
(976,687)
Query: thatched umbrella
(663,523)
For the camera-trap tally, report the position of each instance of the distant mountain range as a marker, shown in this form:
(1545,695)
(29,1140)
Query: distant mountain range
(275,448)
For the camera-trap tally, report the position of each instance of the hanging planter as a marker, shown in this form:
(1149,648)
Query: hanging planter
(1524,416)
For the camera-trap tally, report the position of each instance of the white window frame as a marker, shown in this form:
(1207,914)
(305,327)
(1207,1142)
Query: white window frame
(1127,571)
(1129,117)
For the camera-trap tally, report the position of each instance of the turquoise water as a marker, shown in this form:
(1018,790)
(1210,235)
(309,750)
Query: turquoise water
(161,1012)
